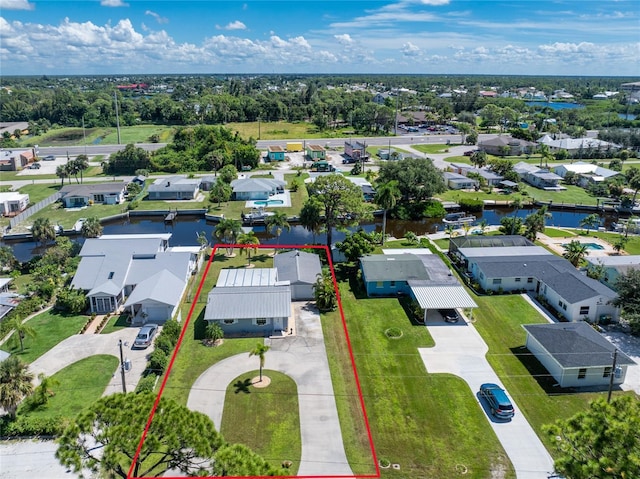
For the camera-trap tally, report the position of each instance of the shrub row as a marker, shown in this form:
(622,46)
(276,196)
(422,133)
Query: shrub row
(23,426)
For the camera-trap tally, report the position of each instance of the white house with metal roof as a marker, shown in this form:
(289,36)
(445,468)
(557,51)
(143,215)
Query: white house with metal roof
(174,188)
(613,267)
(586,172)
(301,270)
(138,272)
(576,355)
(76,196)
(522,266)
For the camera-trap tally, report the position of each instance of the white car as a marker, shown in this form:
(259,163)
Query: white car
(145,336)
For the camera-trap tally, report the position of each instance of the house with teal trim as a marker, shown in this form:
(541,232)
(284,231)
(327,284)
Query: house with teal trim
(275,153)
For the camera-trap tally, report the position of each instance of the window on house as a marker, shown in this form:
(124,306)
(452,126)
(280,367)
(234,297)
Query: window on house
(379,284)
(518,280)
(564,306)
(607,372)
(582,373)
(261,321)
(393,284)
(584,309)
(98,198)
(481,275)
(229,321)
(560,303)
(529,280)
(111,275)
(497,280)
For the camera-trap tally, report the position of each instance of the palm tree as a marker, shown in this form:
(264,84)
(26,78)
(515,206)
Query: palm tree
(277,222)
(251,240)
(21,329)
(449,229)
(62,173)
(517,204)
(478,158)
(15,384)
(575,252)
(227,231)
(43,231)
(203,241)
(43,391)
(213,332)
(260,350)
(311,216)
(591,221)
(387,197)
(91,227)
(483,225)
(81,163)
(620,244)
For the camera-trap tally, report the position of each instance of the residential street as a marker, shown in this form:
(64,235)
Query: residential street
(303,358)
(460,350)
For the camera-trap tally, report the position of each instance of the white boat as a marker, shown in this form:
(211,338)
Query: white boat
(458,218)
(256,214)
(78,224)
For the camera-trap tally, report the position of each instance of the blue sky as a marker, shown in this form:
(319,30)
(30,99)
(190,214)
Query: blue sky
(532,37)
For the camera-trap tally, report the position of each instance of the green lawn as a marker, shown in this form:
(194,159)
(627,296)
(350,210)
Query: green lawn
(405,404)
(499,320)
(193,357)
(264,419)
(79,385)
(435,148)
(108,136)
(573,195)
(558,232)
(116,323)
(51,327)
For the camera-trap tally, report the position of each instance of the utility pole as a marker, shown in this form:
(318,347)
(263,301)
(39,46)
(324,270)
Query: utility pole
(613,372)
(124,385)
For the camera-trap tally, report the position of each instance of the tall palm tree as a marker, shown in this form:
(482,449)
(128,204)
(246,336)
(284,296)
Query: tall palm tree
(386,197)
(276,223)
(62,173)
(91,227)
(516,202)
(15,384)
(251,240)
(22,330)
(590,221)
(81,164)
(43,231)
(575,252)
(260,350)
(227,231)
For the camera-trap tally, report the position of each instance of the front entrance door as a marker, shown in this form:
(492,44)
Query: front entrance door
(277,324)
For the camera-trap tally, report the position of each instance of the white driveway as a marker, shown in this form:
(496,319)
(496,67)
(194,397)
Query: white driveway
(460,350)
(303,358)
(31,460)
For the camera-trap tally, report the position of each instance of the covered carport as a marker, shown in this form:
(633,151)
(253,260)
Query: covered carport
(446,296)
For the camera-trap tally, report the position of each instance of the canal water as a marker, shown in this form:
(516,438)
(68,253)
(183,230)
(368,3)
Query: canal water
(185,229)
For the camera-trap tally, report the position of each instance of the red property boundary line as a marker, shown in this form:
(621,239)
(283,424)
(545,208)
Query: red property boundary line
(184,329)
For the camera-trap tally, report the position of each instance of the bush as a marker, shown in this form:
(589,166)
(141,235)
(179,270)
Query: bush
(472,205)
(165,343)
(32,426)
(172,329)
(146,384)
(158,361)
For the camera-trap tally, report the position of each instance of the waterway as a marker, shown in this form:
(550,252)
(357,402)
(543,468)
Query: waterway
(554,105)
(185,229)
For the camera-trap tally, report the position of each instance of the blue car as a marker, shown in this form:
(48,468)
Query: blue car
(498,401)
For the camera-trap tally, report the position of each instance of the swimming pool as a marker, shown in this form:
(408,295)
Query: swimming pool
(588,245)
(268,202)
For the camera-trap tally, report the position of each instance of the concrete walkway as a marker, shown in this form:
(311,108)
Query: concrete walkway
(303,358)
(460,350)
(81,346)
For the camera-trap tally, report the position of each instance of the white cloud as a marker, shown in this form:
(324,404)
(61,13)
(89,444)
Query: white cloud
(410,50)
(344,39)
(16,5)
(434,3)
(113,3)
(160,19)
(236,25)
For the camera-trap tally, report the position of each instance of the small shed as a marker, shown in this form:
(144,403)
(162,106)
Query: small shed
(301,269)
(275,153)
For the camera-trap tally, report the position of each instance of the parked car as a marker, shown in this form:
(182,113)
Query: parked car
(449,315)
(34,166)
(498,401)
(145,336)
(49,158)
(469,152)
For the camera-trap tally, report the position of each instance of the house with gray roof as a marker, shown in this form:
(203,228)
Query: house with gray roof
(247,189)
(613,267)
(250,310)
(174,188)
(587,173)
(576,355)
(139,273)
(416,273)
(301,270)
(527,267)
(456,181)
(539,177)
(506,145)
(77,196)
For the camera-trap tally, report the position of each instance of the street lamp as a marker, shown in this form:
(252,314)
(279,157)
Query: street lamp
(124,385)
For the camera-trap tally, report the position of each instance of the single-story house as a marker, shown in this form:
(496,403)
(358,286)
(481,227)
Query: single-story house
(523,266)
(576,355)
(417,273)
(139,180)
(15,159)
(538,177)
(77,196)
(139,272)
(12,203)
(368,191)
(256,188)
(379,98)
(207,182)
(574,146)
(490,178)
(457,181)
(242,310)
(613,267)
(315,152)
(275,153)
(301,270)
(174,188)
(505,145)
(8,300)
(586,172)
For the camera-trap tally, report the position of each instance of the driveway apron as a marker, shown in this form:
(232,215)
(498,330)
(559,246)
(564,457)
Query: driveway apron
(303,358)
(460,350)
